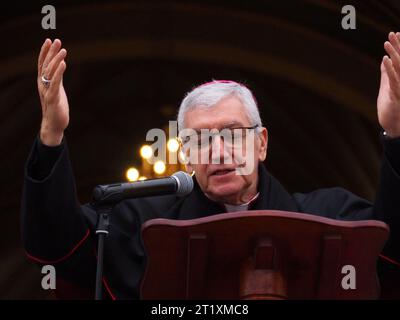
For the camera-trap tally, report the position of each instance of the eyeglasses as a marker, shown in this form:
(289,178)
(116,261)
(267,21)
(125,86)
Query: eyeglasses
(202,139)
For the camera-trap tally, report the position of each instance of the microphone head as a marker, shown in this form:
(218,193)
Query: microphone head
(185,183)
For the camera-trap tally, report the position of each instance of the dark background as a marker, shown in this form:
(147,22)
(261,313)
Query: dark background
(130,63)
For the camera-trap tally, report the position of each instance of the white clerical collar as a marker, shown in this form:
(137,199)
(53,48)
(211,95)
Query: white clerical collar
(240,207)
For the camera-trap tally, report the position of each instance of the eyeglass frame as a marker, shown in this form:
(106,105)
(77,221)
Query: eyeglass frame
(187,138)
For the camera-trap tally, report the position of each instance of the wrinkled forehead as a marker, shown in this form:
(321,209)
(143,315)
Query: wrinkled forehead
(222,128)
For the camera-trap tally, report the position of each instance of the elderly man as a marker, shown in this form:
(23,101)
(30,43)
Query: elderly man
(58,230)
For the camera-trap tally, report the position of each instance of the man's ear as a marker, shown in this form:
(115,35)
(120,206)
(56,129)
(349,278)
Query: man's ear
(186,162)
(263,144)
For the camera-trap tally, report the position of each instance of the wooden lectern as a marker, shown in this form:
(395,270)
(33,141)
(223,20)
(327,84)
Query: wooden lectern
(261,255)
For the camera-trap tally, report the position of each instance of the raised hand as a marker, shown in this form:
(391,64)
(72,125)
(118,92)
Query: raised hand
(55,109)
(388,103)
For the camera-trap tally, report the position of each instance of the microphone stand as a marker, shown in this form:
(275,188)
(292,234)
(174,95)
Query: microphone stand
(105,197)
(101,232)
(104,203)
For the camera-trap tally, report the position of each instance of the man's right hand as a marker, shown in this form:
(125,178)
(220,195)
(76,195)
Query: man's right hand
(55,109)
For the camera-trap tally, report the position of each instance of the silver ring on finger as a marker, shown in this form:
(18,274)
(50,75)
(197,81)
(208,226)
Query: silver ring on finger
(46,82)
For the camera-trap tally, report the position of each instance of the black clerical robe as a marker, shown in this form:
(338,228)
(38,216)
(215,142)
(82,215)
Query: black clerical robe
(58,230)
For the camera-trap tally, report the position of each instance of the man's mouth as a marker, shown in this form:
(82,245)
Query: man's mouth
(222,172)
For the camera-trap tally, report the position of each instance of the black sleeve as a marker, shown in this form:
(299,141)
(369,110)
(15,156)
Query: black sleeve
(387,203)
(43,160)
(53,224)
(338,203)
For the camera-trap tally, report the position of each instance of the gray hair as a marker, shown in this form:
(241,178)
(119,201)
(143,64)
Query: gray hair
(210,93)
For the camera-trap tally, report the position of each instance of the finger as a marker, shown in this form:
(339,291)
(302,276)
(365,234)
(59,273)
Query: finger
(393,79)
(53,65)
(57,77)
(394,56)
(388,65)
(55,47)
(395,42)
(384,75)
(43,52)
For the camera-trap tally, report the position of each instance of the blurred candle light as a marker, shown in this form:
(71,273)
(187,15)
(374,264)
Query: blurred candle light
(146,152)
(159,167)
(173,145)
(132,174)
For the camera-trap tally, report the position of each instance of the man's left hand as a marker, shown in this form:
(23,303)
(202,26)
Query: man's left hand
(388,103)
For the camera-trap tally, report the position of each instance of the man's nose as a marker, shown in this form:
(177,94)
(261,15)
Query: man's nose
(220,152)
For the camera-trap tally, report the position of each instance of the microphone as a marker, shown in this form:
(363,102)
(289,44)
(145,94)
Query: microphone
(180,183)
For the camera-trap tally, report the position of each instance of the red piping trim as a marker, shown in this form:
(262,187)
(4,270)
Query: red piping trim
(108,289)
(61,259)
(390,260)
